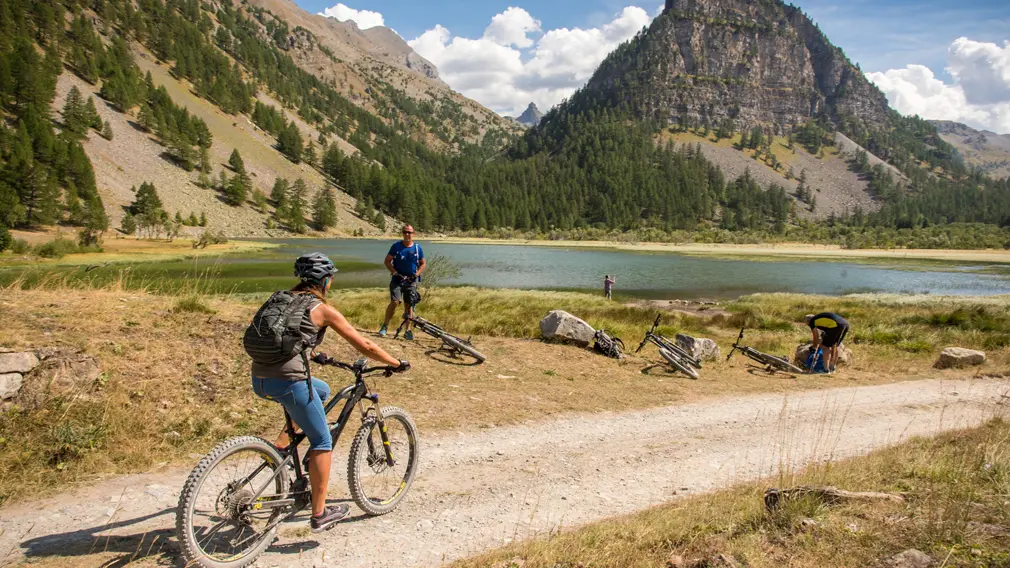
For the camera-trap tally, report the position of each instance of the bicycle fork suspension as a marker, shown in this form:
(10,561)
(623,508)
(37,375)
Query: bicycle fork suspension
(380,423)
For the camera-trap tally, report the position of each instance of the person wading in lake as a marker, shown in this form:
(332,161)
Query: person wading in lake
(608,285)
(829,331)
(405,262)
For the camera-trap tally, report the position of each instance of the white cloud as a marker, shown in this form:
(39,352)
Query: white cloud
(506,69)
(363,18)
(512,27)
(978,96)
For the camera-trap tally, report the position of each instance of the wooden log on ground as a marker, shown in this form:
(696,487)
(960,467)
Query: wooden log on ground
(827,495)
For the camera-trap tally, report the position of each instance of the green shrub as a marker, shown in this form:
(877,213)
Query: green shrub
(56,248)
(20,246)
(193,304)
(5,238)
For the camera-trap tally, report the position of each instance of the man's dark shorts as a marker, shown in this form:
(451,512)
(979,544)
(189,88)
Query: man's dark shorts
(835,336)
(398,287)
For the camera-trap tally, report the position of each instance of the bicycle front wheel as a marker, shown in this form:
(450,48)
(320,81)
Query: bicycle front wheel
(376,486)
(220,519)
(463,346)
(675,361)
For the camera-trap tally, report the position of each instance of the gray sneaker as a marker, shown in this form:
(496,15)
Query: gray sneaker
(329,519)
(382,331)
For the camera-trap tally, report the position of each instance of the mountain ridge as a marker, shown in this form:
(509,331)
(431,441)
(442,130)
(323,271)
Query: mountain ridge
(984,149)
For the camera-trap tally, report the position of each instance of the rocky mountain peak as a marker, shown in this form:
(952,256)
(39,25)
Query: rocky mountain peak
(758,63)
(531,116)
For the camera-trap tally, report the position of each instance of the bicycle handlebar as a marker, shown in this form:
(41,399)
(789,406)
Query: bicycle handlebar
(387,370)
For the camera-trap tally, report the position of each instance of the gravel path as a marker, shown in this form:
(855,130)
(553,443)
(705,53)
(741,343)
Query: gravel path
(479,490)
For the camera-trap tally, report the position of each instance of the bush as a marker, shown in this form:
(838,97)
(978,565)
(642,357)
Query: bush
(56,248)
(20,246)
(210,237)
(192,304)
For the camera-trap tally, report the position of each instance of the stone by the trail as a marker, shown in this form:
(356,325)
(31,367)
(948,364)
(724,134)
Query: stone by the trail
(10,385)
(15,362)
(957,357)
(845,355)
(562,326)
(700,348)
(717,561)
(910,558)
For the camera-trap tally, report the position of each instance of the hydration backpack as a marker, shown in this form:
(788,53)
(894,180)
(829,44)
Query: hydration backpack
(610,346)
(275,334)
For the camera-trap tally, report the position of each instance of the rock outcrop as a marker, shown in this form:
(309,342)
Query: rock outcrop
(910,558)
(531,117)
(700,348)
(563,327)
(755,63)
(958,357)
(29,377)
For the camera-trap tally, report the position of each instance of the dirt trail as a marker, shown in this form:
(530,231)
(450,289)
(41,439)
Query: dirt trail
(479,490)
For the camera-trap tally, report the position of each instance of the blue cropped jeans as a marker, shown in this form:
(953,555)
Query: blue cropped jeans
(308,415)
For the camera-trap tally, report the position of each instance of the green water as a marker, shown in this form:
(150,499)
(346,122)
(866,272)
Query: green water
(643,275)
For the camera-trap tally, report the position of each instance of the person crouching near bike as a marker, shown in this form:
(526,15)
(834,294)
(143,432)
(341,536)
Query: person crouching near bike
(288,384)
(829,331)
(405,262)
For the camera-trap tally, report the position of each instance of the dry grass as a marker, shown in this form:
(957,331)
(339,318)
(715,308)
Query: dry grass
(126,250)
(957,490)
(175,378)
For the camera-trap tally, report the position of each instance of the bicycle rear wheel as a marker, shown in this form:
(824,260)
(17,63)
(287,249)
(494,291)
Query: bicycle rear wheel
(464,346)
(376,486)
(218,522)
(681,366)
(782,364)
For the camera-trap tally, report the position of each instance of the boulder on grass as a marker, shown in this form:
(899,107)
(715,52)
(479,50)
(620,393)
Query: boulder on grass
(957,357)
(563,327)
(803,353)
(910,558)
(17,362)
(10,385)
(700,348)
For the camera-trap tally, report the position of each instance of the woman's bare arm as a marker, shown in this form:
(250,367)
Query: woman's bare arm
(330,317)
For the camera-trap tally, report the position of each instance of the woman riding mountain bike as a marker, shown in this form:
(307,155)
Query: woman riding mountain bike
(287,382)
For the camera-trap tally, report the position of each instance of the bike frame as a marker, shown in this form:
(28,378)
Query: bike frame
(421,324)
(750,352)
(661,341)
(353,394)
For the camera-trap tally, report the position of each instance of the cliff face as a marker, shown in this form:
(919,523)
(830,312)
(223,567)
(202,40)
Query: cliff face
(758,62)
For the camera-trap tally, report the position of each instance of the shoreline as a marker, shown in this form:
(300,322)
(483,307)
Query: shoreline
(777,251)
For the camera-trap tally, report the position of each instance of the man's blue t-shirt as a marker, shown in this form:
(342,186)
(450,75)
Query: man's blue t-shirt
(406,259)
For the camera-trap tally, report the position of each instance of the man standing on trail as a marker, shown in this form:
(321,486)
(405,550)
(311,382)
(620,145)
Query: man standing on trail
(608,285)
(405,262)
(829,331)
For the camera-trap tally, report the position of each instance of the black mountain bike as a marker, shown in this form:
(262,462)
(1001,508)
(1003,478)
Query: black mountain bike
(450,343)
(674,354)
(239,493)
(772,362)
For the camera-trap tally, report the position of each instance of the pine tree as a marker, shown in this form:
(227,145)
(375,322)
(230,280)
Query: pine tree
(203,219)
(146,118)
(236,191)
(324,209)
(379,221)
(91,116)
(236,163)
(260,200)
(193,221)
(309,155)
(205,165)
(290,143)
(12,212)
(147,201)
(295,216)
(74,119)
(107,131)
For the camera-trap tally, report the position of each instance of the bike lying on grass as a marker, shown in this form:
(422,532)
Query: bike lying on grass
(674,354)
(451,344)
(772,362)
(239,493)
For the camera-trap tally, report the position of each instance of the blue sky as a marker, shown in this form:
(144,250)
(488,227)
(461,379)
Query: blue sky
(883,36)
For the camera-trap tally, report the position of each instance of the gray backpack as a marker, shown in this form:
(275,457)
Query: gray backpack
(275,334)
